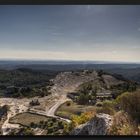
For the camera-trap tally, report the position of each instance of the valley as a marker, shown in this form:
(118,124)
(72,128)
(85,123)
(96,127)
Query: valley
(71,93)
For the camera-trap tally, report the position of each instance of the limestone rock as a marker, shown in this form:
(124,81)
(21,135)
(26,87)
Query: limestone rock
(98,125)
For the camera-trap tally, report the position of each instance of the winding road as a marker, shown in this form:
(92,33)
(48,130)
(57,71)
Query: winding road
(52,110)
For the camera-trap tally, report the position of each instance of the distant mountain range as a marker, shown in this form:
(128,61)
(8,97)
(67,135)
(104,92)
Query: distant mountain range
(128,70)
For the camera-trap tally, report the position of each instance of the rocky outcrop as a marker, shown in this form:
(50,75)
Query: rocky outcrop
(3,116)
(69,81)
(99,125)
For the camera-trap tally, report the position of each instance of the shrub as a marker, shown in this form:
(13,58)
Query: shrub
(22,131)
(32,124)
(68,103)
(41,122)
(44,126)
(27,131)
(83,99)
(130,103)
(60,125)
(50,130)
(50,123)
(107,108)
(68,128)
(54,119)
(83,118)
(45,122)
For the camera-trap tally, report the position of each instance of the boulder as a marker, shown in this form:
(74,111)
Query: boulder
(99,125)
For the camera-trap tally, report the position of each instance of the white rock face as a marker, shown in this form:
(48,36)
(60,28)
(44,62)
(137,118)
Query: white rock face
(67,81)
(98,125)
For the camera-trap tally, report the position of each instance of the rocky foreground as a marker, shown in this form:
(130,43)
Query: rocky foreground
(99,125)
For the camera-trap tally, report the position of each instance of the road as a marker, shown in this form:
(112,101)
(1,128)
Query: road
(52,110)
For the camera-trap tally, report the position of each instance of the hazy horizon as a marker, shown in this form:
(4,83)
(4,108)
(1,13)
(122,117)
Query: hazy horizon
(70,33)
(69,61)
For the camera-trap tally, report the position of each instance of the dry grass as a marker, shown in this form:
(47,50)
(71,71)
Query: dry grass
(67,111)
(107,108)
(26,118)
(122,125)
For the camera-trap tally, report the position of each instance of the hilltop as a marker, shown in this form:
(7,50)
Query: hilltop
(100,81)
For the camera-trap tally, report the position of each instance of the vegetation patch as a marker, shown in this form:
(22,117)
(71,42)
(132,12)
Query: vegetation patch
(69,108)
(27,118)
(22,131)
(108,107)
(130,103)
(51,126)
(23,82)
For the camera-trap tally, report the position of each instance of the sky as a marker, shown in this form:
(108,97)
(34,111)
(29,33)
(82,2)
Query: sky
(70,32)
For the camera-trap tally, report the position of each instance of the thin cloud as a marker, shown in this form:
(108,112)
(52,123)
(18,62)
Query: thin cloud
(88,7)
(56,33)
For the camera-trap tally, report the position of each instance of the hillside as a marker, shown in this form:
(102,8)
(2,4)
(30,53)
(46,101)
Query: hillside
(91,80)
(24,82)
(24,76)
